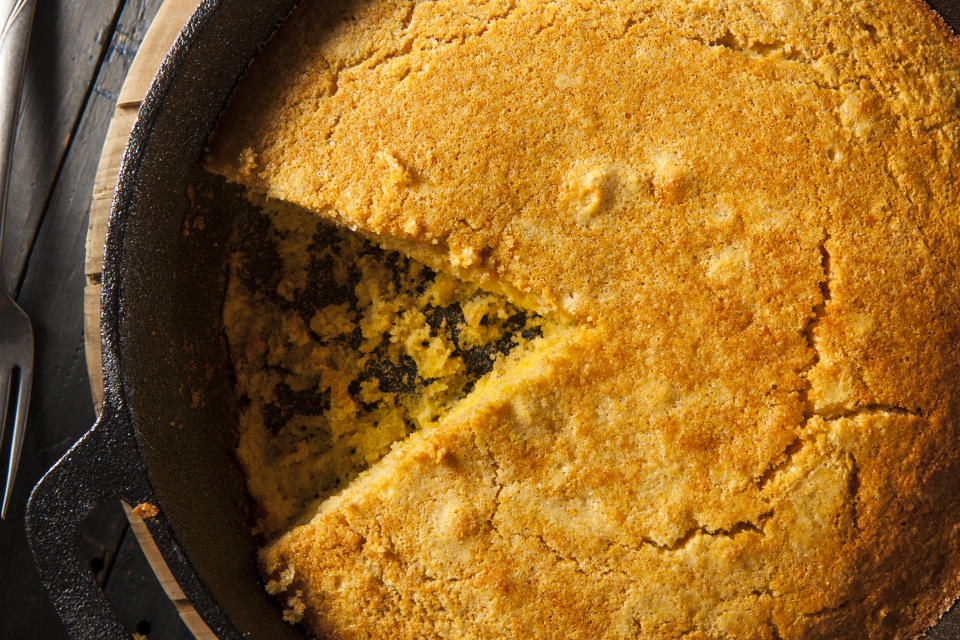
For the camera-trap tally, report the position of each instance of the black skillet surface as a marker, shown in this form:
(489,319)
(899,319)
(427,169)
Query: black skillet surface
(156,440)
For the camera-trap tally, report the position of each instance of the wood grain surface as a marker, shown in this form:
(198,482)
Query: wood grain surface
(79,56)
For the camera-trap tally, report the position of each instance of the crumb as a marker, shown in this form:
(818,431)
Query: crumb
(146,510)
(294,611)
(283,581)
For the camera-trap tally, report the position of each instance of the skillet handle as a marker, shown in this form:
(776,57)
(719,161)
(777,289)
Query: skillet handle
(95,470)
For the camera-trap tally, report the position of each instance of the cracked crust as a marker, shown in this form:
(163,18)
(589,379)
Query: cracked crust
(749,210)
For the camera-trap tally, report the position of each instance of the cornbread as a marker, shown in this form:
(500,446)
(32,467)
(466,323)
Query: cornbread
(745,214)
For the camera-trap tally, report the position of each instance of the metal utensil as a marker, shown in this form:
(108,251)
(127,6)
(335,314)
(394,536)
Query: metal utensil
(16,334)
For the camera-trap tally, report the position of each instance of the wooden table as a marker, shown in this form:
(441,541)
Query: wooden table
(80,54)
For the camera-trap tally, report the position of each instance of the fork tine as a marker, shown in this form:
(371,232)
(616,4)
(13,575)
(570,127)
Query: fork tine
(19,429)
(5,376)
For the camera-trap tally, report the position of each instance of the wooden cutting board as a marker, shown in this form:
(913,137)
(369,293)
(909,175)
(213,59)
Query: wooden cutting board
(170,18)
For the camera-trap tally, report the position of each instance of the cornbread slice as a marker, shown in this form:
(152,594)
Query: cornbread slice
(749,210)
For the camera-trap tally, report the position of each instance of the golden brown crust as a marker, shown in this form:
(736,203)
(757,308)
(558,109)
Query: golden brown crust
(750,211)
(949,33)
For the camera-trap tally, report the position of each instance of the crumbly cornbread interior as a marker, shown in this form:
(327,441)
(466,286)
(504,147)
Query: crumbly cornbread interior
(745,216)
(341,349)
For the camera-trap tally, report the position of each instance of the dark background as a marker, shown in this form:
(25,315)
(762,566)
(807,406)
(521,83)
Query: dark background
(79,56)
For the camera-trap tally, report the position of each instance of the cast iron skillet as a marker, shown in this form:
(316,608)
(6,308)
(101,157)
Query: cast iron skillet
(162,340)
